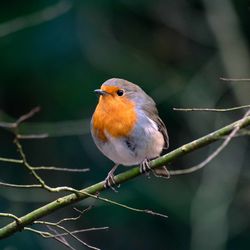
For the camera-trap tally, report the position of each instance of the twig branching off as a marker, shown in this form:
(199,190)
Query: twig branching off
(212,110)
(215,153)
(12,216)
(14,127)
(47,235)
(58,226)
(60,236)
(91,191)
(61,239)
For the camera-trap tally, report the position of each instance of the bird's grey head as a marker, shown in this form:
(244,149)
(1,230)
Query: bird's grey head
(131,91)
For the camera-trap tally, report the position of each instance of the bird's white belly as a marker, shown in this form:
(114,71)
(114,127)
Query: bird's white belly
(148,143)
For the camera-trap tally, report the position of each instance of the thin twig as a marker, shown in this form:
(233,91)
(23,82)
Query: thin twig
(8,125)
(49,235)
(67,231)
(10,185)
(44,234)
(27,165)
(73,218)
(146,211)
(82,231)
(59,236)
(235,79)
(27,116)
(61,239)
(32,137)
(78,170)
(11,160)
(211,109)
(12,216)
(215,153)
(14,125)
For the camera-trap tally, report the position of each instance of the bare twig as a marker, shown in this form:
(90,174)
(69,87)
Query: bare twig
(235,79)
(47,168)
(10,185)
(44,234)
(12,216)
(47,235)
(15,128)
(215,153)
(14,125)
(146,211)
(78,170)
(11,160)
(27,116)
(61,239)
(60,236)
(29,137)
(211,109)
(42,130)
(83,231)
(66,231)
(73,218)
(27,165)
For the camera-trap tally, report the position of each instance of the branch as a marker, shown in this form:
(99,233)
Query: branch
(64,201)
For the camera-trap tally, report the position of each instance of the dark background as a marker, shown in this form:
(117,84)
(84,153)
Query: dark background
(176,51)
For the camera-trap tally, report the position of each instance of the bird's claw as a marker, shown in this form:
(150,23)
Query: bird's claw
(145,166)
(110,182)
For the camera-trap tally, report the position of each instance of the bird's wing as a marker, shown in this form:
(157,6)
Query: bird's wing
(152,112)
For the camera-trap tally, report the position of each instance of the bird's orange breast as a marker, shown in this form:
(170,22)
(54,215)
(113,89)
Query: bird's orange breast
(114,115)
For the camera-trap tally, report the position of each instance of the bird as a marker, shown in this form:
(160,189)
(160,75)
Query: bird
(126,127)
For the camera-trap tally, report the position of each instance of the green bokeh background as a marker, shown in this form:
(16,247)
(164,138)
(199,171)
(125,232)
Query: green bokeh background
(176,51)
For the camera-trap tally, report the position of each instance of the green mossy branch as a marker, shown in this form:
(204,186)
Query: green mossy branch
(70,199)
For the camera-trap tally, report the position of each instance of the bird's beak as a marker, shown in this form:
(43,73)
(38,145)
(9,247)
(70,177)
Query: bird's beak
(100,92)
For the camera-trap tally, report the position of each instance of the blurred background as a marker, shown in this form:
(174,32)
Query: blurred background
(55,53)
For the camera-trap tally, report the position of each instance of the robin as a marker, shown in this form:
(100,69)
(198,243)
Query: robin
(126,127)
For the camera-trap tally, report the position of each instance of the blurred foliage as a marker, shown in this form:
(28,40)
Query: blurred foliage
(176,51)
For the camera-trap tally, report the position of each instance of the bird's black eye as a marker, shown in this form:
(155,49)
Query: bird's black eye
(120,92)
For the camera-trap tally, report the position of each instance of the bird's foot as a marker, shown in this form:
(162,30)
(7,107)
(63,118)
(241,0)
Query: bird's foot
(145,167)
(110,180)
